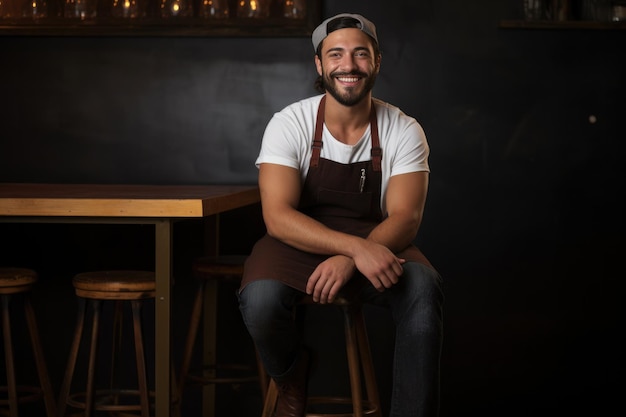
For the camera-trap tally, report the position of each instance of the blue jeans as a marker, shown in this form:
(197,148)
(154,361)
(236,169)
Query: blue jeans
(415,304)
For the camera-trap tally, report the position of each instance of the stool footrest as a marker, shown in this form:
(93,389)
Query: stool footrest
(107,400)
(368,407)
(223,373)
(25,394)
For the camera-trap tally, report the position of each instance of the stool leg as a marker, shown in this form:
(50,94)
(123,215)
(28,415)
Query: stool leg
(174,392)
(194,322)
(71,364)
(116,345)
(93,352)
(270,399)
(140,358)
(209,354)
(263,377)
(8,356)
(42,369)
(353,362)
(366,359)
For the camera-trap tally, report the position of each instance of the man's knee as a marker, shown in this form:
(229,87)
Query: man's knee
(259,296)
(423,281)
(265,302)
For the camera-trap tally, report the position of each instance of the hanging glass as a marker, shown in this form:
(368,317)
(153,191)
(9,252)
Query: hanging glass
(536,9)
(80,9)
(176,8)
(295,9)
(258,9)
(214,9)
(34,9)
(128,9)
(10,9)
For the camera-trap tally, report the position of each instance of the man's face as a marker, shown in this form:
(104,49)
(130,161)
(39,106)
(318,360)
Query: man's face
(348,65)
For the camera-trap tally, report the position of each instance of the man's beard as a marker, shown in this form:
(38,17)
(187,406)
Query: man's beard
(351,96)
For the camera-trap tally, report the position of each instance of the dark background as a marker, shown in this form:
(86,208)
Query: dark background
(525,215)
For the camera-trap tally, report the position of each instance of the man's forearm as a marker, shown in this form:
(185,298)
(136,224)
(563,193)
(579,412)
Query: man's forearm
(307,234)
(395,232)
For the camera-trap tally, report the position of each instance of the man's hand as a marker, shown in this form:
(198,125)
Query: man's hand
(375,261)
(378,264)
(329,277)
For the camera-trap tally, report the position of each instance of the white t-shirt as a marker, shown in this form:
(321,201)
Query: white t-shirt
(289,134)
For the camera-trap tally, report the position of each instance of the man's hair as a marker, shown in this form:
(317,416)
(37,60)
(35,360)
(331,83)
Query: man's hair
(336,24)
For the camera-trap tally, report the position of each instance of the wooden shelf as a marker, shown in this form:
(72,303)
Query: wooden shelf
(567,24)
(191,27)
(273,26)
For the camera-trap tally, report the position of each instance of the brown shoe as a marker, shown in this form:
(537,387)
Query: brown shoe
(292,390)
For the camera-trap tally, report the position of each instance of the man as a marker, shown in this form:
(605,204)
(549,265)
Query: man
(343,180)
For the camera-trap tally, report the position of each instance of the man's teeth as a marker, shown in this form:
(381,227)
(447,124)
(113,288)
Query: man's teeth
(348,79)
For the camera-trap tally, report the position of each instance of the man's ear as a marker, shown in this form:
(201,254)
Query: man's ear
(318,64)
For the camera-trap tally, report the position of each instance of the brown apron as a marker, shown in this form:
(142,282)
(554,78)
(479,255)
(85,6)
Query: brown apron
(344,197)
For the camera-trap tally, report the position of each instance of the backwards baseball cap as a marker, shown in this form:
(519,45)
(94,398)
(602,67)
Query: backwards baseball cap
(320,32)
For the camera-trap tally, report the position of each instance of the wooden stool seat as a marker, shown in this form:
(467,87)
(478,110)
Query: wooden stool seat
(213,270)
(94,288)
(115,285)
(359,360)
(14,281)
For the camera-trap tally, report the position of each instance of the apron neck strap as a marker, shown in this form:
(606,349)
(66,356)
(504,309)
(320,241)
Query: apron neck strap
(376,151)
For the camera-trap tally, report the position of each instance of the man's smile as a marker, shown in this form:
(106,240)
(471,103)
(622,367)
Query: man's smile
(351,79)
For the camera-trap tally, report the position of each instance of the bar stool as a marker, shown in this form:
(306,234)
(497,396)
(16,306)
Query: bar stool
(14,281)
(94,288)
(359,359)
(209,272)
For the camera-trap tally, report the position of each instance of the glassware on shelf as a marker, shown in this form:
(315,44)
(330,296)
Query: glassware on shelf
(35,9)
(294,9)
(536,9)
(618,11)
(80,9)
(588,10)
(23,9)
(128,9)
(597,10)
(214,9)
(9,9)
(258,9)
(562,10)
(176,8)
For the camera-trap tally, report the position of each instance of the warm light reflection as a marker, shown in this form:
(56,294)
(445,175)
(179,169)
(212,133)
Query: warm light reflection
(253,8)
(253,5)
(294,9)
(177,8)
(128,9)
(81,9)
(214,9)
(34,9)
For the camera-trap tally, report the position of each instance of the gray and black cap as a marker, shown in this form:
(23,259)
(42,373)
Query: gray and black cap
(320,32)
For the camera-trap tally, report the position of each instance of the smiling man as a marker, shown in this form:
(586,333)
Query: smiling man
(343,179)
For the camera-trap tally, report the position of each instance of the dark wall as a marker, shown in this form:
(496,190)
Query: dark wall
(525,212)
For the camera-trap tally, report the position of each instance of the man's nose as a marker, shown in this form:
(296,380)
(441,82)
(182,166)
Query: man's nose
(348,63)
